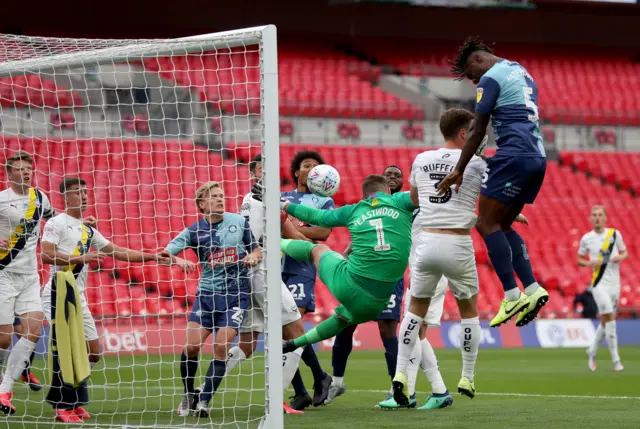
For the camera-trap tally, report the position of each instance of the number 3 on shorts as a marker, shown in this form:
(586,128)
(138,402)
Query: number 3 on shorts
(392,302)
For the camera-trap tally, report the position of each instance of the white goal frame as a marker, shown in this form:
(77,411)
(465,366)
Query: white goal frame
(266,38)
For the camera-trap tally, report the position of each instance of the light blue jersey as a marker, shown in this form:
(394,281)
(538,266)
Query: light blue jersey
(290,265)
(220,248)
(508,93)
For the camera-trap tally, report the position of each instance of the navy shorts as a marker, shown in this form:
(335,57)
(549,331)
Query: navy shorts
(214,310)
(17,322)
(514,179)
(303,290)
(392,312)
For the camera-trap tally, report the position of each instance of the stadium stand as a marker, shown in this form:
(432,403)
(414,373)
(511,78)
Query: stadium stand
(32,90)
(314,81)
(563,77)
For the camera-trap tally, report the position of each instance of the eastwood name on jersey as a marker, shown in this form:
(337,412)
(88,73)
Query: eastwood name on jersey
(383,211)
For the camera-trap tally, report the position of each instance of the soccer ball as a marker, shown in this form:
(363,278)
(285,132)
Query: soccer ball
(323,180)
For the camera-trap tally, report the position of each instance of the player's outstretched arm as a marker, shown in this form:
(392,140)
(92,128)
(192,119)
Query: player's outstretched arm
(322,218)
(177,246)
(129,255)
(50,255)
(290,231)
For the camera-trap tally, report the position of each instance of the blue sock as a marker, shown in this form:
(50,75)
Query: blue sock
(521,263)
(341,350)
(188,370)
(298,385)
(391,354)
(212,381)
(500,255)
(311,360)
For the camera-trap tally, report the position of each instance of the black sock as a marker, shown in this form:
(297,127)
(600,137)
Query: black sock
(27,370)
(391,354)
(188,370)
(342,347)
(298,385)
(311,360)
(215,374)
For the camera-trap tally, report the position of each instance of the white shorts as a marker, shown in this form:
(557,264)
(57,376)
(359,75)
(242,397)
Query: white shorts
(254,318)
(436,307)
(606,299)
(19,294)
(438,255)
(90,330)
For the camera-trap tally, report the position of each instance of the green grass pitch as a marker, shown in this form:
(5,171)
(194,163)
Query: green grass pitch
(517,388)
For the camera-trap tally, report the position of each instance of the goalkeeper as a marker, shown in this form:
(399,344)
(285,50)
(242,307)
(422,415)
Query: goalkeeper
(380,228)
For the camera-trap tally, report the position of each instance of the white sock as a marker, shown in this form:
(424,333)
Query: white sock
(92,365)
(512,294)
(290,362)
(430,368)
(593,349)
(338,381)
(17,362)
(412,368)
(529,290)
(409,330)
(4,354)
(470,334)
(236,355)
(612,340)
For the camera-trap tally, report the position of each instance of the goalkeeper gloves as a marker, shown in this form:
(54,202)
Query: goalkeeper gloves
(257,193)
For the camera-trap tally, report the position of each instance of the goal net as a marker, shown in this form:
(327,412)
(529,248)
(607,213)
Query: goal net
(145,123)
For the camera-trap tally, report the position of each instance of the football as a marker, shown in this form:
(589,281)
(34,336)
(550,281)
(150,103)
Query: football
(323,180)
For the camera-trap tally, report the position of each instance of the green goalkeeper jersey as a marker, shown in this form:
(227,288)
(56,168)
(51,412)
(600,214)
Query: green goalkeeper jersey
(380,229)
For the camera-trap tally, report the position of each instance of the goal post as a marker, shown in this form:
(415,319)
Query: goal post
(145,123)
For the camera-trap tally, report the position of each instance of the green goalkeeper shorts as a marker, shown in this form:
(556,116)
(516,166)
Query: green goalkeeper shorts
(357,305)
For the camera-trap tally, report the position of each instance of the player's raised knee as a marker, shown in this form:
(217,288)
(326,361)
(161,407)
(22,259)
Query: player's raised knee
(192,350)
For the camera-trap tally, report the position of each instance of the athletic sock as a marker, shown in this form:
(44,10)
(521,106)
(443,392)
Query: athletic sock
(17,362)
(310,359)
(342,347)
(236,355)
(612,340)
(27,370)
(521,262)
(412,368)
(325,330)
(188,370)
(469,342)
(298,385)
(4,355)
(430,368)
(391,354)
(593,349)
(92,365)
(338,381)
(214,377)
(291,361)
(409,330)
(297,249)
(500,255)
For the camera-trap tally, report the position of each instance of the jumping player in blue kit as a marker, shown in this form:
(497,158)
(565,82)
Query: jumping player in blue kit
(508,95)
(300,277)
(388,319)
(226,248)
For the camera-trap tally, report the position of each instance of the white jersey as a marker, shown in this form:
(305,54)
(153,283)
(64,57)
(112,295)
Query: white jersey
(452,210)
(20,217)
(72,237)
(253,210)
(603,246)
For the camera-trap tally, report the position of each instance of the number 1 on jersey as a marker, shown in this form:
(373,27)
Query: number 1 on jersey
(381,246)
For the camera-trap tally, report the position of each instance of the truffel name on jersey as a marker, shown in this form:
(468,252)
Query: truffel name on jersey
(384,211)
(445,168)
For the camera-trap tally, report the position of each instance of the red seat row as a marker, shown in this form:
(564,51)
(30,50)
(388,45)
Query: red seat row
(32,90)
